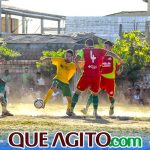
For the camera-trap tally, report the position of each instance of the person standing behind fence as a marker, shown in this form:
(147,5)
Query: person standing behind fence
(27,82)
(7,77)
(26,78)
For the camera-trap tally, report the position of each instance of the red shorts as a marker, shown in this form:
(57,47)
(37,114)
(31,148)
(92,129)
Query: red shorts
(108,85)
(89,82)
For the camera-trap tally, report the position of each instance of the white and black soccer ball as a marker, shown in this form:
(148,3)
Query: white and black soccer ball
(38,103)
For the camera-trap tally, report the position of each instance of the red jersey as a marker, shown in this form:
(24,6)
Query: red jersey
(93,60)
(107,65)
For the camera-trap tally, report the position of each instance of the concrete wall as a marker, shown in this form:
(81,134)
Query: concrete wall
(105,27)
(34,50)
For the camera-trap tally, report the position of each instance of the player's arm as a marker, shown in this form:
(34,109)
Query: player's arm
(78,58)
(47,59)
(119,70)
(115,56)
(72,71)
(53,60)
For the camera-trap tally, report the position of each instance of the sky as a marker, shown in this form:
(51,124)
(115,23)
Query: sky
(79,7)
(73,8)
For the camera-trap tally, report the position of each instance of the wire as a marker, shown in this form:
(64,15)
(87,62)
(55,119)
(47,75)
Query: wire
(37,29)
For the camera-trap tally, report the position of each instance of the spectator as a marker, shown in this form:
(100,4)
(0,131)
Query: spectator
(27,83)
(26,78)
(7,76)
(138,94)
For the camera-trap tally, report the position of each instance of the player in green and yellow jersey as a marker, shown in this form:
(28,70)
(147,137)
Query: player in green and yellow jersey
(65,71)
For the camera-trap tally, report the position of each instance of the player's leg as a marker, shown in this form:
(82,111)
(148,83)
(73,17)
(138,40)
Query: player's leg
(51,90)
(89,102)
(67,93)
(110,89)
(95,104)
(81,86)
(5,112)
(112,102)
(69,103)
(74,102)
(95,87)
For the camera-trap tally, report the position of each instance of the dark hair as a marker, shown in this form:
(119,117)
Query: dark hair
(89,42)
(109,43)
(70,51)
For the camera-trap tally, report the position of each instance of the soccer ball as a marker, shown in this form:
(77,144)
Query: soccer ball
(38,103)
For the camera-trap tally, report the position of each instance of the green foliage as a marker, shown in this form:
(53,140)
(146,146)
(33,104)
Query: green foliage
(135,51)
(52,53)
(100,44)
(6,53)
(48,67)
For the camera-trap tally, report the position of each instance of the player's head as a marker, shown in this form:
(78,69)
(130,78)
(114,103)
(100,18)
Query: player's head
(6,72)
(108,45)
(69,55)
(89,43)
(26,69)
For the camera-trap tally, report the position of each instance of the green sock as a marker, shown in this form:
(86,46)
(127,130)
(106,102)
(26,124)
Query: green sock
(74,101)
(89,102)
(95,102)
(112,101)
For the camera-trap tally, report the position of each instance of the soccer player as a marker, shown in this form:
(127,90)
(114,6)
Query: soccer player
(65,71)
(91,74)
(109,68)
(3,99)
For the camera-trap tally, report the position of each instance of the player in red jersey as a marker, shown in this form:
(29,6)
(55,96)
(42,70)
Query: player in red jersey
(91,75)
(108,74)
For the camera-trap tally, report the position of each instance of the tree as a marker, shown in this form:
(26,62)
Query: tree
(100,43)
(135,51)
(6,53)
(48,67)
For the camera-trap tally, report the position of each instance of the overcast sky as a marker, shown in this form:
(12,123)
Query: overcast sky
(79,7)
(73,8)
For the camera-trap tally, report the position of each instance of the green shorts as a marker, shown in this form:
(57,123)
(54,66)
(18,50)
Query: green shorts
(63,87)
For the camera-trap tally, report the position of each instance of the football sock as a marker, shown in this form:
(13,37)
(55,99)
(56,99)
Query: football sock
(69,103)
(74,101)
(89,102)
(49,94)
(112,101)
(95,102)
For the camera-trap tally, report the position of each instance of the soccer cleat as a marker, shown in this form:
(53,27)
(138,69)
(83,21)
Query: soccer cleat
(95,114)
(111,110)
(6,113)
(84,111)
(70,114)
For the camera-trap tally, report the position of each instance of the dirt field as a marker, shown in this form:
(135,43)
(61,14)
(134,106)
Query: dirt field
(53,118)
(128,120)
